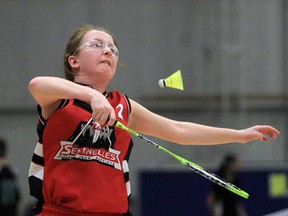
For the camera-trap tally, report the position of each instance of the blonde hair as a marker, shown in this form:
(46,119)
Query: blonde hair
(75,41)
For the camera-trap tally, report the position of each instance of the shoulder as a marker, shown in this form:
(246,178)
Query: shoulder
(9,171)
(117,96)
(120,102)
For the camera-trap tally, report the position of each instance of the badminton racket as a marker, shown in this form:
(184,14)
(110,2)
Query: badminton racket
(196,168)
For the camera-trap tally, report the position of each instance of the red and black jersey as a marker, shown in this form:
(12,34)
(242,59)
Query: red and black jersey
(79,167)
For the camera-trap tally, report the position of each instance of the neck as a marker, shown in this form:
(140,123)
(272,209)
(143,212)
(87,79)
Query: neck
(101,87)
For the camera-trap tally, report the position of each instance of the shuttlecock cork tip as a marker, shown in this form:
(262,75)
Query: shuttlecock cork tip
(161,83)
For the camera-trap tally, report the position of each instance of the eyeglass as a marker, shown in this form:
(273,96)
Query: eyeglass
(100,45)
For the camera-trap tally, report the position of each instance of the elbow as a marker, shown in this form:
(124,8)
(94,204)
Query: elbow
(34,84)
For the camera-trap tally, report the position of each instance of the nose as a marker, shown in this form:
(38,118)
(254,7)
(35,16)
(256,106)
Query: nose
(107,49)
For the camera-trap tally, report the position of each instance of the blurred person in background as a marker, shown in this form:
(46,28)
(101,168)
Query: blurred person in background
(9,189)
(220,201)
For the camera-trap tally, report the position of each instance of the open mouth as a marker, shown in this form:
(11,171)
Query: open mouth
(106,62)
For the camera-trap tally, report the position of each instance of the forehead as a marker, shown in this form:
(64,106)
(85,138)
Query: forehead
(99,35)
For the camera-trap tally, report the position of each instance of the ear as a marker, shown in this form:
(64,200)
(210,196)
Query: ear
(73,61)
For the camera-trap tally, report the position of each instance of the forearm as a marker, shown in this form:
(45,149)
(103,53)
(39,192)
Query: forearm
(184,133)
(49,89)
(191,133)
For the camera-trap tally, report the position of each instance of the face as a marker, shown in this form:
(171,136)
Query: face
(96,59)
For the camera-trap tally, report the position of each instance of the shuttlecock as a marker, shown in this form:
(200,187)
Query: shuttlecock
(173,81)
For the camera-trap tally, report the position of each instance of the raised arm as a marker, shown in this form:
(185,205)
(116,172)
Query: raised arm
(49,91)
(147,122)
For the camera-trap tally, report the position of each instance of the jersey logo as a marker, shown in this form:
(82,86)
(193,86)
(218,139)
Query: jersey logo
(69,151)
(93,144)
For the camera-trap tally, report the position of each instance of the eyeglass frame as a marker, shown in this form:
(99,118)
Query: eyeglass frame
(114,50)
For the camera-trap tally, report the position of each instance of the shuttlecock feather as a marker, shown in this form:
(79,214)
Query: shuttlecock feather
(173,81)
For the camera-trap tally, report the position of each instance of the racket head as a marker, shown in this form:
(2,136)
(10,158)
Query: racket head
(209,175)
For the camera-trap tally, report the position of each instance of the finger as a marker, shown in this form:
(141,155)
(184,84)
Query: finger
(268,130)
(97,116)
(103,119)
(273,134)
(264,139)
(265,136)
(100,118)
(112,118)
(108,119)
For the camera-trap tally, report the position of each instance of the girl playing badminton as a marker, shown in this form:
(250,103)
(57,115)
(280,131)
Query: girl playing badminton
(80,167)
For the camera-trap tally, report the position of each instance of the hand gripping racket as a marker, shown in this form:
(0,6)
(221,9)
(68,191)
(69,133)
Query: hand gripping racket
(196,168)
